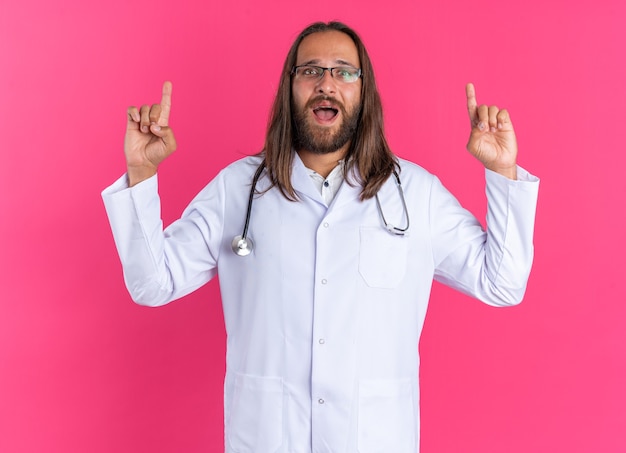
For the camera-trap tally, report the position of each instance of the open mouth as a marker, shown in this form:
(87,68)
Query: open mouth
(325,113)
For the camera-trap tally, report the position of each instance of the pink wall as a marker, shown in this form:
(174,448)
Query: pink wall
(82,369)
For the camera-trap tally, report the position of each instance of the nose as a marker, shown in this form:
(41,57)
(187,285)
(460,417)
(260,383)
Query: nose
(327,83)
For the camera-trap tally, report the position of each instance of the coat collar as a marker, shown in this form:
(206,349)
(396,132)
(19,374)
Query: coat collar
(301,181)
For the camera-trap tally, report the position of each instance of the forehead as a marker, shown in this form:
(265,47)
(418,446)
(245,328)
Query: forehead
(327,48)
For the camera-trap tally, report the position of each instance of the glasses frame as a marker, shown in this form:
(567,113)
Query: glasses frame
(330,70)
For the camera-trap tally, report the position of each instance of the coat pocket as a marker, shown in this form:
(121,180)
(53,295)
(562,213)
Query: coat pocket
(382,257)
(387,421)
(256,421)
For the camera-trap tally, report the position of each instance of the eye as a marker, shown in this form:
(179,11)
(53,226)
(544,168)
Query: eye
(346,74)
(310,71)
(343,73)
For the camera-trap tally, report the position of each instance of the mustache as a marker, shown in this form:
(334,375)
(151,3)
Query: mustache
(324,97)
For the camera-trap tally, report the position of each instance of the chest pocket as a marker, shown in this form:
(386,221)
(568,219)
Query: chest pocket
(382,257)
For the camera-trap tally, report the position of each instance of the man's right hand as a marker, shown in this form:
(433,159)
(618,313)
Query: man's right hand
(148,139)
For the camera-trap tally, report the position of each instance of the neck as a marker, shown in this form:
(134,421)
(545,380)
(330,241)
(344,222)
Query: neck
(322,164)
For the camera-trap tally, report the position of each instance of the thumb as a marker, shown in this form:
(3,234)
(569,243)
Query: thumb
(166,134)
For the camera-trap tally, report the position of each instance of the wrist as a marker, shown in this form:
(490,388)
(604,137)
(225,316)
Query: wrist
(508,172)
(138,174)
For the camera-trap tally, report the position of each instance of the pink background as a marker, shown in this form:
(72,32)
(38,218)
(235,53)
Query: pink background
(83,369)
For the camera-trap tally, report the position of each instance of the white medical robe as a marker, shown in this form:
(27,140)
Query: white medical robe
(324,317)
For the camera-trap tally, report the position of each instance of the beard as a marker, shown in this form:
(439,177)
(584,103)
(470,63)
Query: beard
(324,140)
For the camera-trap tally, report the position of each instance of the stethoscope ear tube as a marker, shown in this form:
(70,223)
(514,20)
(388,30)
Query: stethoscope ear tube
(242,245)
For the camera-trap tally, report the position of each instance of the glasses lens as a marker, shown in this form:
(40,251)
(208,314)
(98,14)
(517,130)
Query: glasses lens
(346,74)
(309,72)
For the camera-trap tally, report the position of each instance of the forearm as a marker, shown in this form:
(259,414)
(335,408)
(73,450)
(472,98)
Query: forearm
(491,265)
(510,228)
(135,219)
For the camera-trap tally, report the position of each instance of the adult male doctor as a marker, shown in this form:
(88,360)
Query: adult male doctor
(324,312)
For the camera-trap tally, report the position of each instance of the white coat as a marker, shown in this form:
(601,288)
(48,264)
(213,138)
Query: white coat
(324,317)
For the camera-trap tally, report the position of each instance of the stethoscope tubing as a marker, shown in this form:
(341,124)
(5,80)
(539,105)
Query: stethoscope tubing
(243,246)
(393,229)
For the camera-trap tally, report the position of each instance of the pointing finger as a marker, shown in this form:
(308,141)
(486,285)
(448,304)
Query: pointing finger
(166,104)
(471,103)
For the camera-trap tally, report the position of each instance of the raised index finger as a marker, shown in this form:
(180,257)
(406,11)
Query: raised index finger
(471,103)
(166,104)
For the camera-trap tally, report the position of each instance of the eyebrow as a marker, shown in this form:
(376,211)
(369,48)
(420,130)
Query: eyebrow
(316,61)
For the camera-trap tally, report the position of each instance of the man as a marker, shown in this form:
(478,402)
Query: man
(326,280)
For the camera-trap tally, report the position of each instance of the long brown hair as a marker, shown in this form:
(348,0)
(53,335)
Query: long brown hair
(369,154)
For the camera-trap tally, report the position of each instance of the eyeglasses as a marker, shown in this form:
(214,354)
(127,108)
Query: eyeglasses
(345,74)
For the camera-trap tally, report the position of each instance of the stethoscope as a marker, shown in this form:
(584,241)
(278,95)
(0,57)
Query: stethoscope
(242,245)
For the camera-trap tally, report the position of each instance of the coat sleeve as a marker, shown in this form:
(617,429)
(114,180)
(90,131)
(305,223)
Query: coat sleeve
(492,265)
(163,265)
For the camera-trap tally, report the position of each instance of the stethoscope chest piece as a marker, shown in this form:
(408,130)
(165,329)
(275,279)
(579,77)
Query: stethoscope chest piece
(242,246)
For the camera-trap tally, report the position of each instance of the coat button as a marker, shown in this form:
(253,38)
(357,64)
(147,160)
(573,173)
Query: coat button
(320,401)
(324,281)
